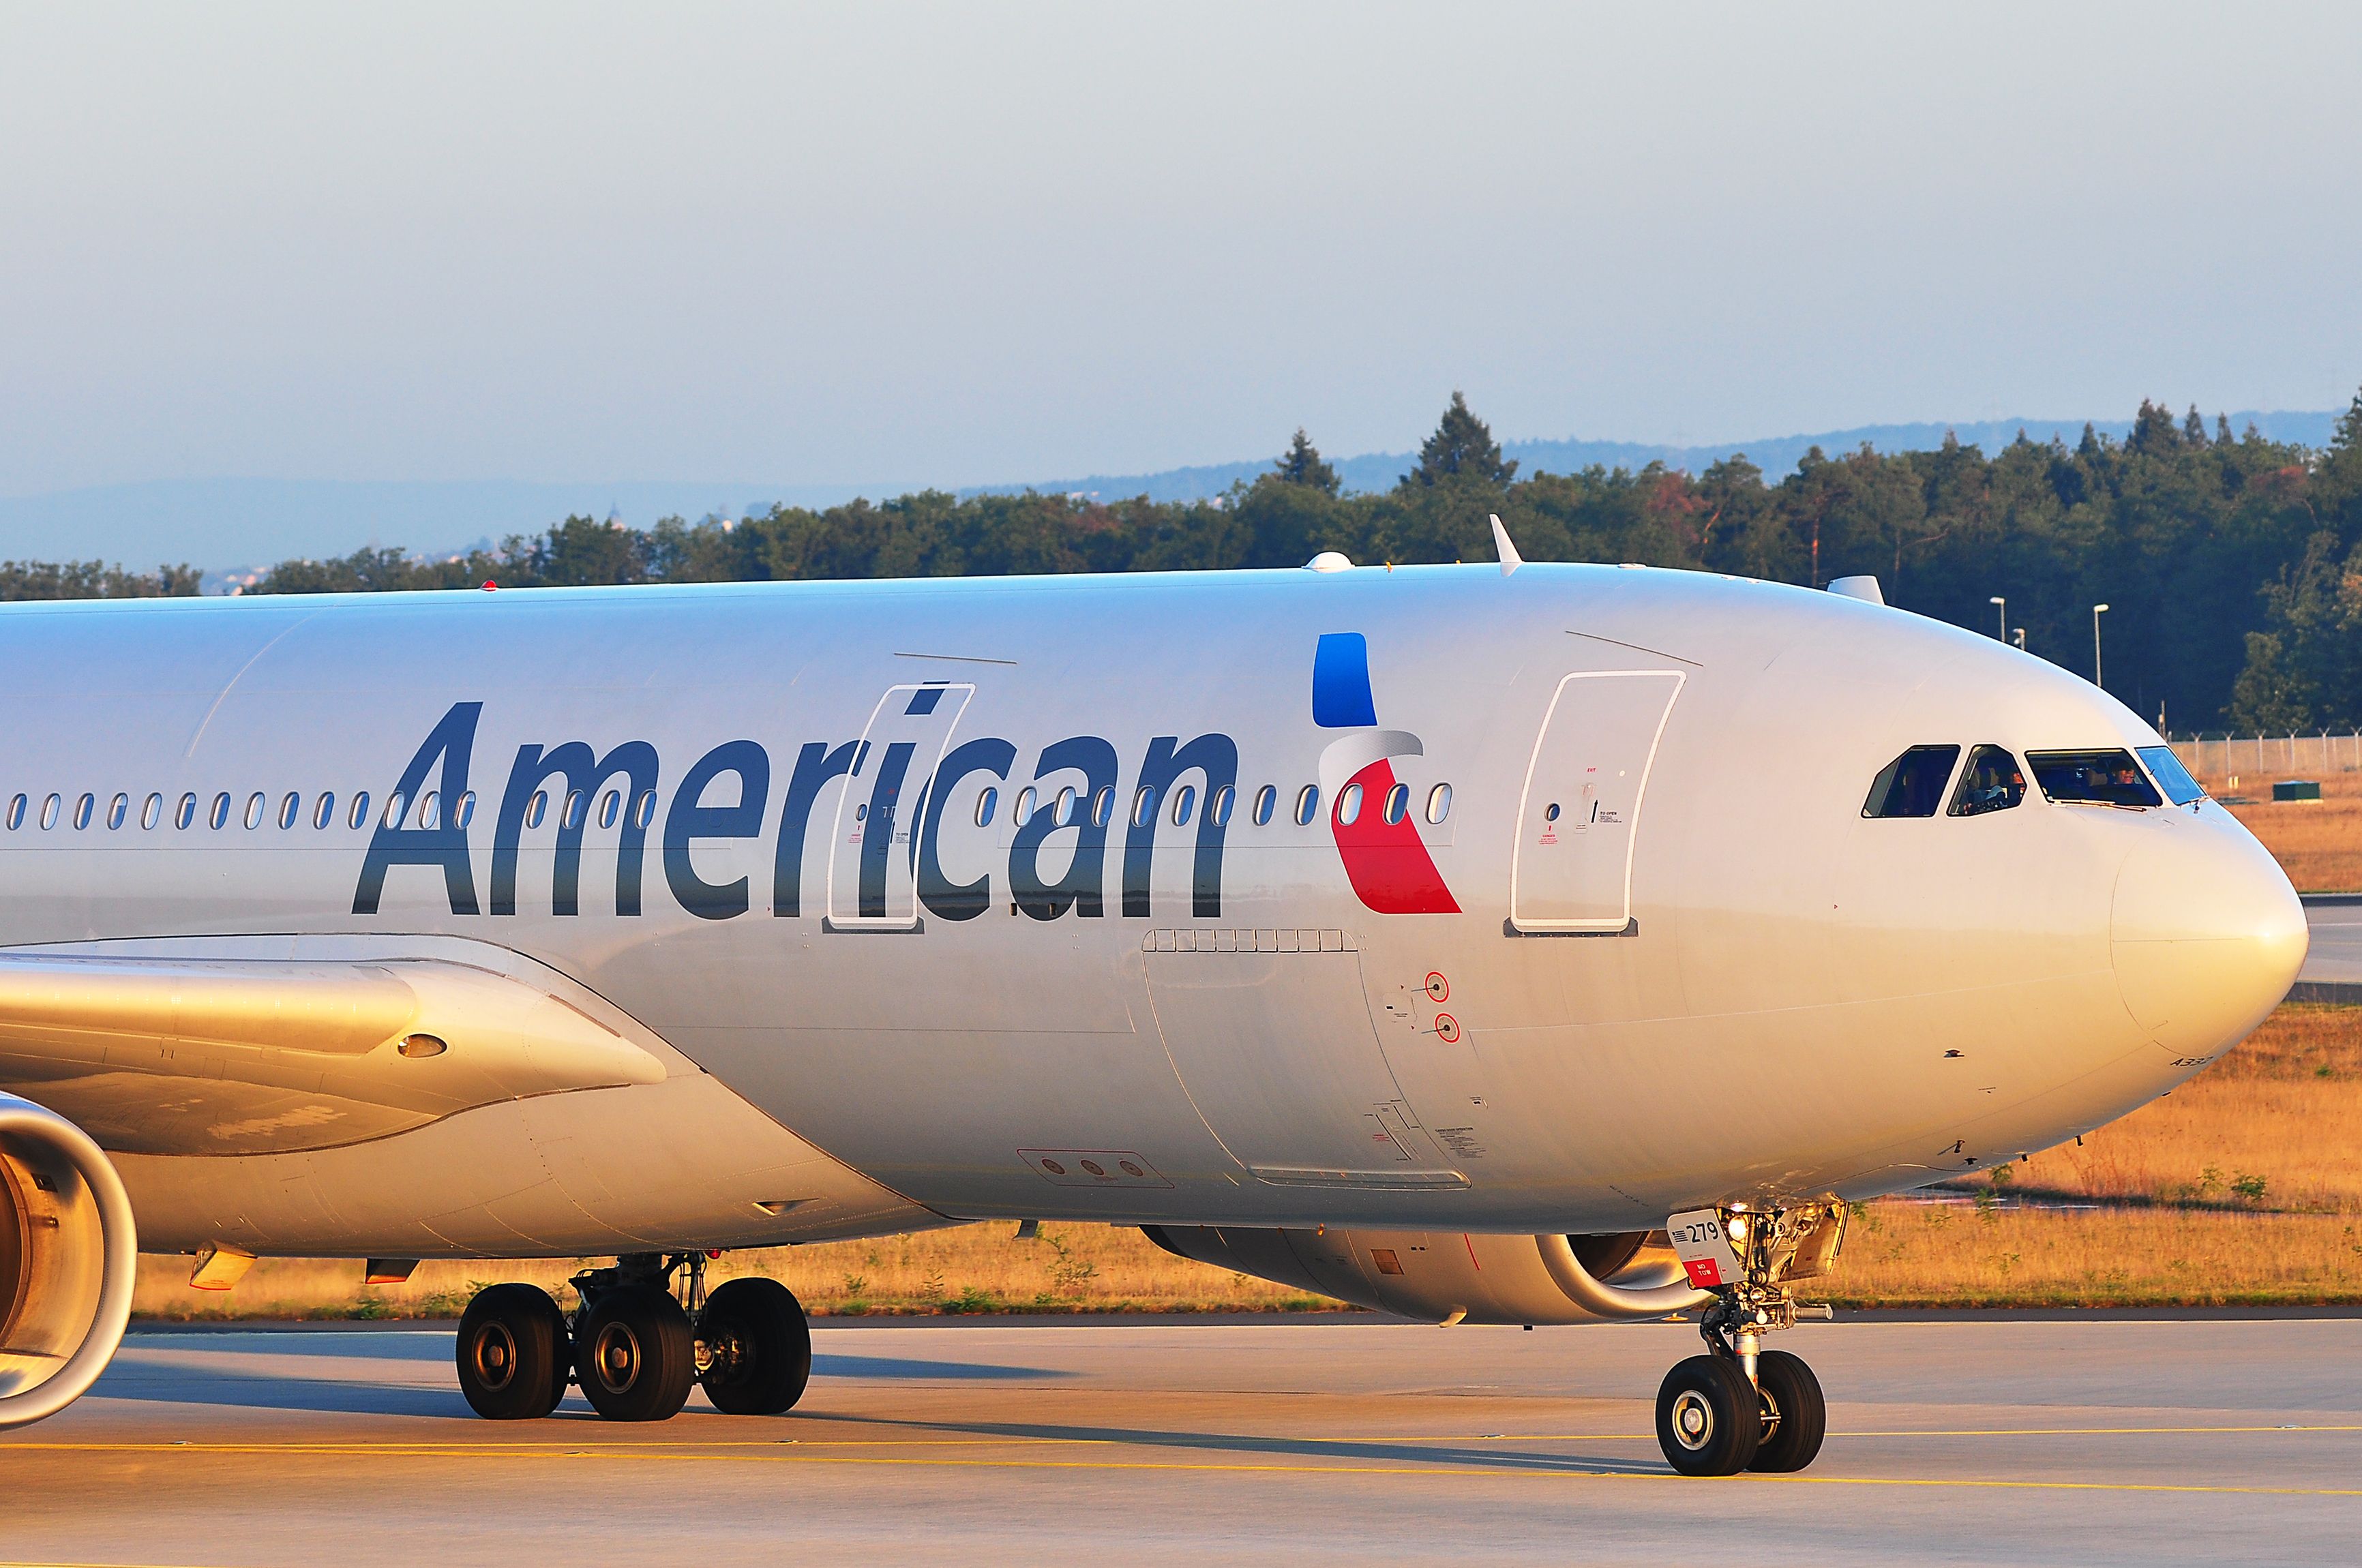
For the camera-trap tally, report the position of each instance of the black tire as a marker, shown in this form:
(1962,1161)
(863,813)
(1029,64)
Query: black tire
(756,1346)
(512,1353)
(633,1355)
(1707,1419)
(1796,1416)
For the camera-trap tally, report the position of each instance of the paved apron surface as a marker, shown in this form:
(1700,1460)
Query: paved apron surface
(2102,1440)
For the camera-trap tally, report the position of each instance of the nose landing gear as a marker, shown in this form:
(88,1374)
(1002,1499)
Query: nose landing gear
(635,1347)
(1741,1407)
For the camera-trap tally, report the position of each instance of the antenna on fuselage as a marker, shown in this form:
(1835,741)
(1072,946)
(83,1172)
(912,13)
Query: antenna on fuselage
(1510,560)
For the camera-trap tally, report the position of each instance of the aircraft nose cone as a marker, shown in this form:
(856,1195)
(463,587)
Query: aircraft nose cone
(2207,935)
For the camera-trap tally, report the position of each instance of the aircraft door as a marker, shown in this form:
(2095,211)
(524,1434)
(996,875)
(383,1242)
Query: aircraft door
(1270,1031)
(872,873)
(1580,810)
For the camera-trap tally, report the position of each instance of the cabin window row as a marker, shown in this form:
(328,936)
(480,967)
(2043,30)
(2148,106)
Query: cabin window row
(320,811)
(1914,784)
(1180,805)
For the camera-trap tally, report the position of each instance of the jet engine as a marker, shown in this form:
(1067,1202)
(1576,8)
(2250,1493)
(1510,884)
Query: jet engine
(68,1255)
(1446,1276)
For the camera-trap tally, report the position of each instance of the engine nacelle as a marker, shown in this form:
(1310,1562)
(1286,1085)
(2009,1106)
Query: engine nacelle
(1445,1276)
(69,1254)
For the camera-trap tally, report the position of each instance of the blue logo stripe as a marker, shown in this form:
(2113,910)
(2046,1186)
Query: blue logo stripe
(1341,682)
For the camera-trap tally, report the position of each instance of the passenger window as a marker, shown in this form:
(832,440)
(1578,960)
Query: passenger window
(49,813)
(641,814)
(1307,804)
(83,808)
(289,809)
(574,809)
(1266,800)
(117,810)
(360,810)
(2166,769)
(983,804)
(430,808)
(1397,804)
(1065,815)
(610,805)
(1184,801)
(151,811)
(1990,782)
(325,811)
(15,814)
(219,815)
(1438,803)
(464,813)
(1144,806)
(397,809)
(1348,805)
(2093,779)
(1913,784)
(1103,806)
(1022,812)
(254,810)
(186,812)
(536,808)
(1219,809)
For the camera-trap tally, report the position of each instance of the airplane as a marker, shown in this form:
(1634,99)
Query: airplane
(1500,943)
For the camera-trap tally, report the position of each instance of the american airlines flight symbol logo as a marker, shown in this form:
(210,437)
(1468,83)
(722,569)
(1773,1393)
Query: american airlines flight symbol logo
(1387,862)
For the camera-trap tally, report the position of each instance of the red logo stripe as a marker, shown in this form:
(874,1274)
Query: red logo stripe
(1386,862)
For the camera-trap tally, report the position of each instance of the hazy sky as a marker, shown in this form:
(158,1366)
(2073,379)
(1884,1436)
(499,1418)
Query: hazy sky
(900,244)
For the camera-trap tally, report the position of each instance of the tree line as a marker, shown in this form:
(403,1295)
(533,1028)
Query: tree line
(2232,563)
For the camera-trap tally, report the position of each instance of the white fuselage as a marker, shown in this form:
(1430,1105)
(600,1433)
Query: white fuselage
(1717,979)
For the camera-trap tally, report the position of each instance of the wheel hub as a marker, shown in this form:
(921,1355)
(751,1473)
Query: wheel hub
(617,1358)
(495,1357)
(1693,1420)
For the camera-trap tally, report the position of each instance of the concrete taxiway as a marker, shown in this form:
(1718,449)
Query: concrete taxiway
(2102,1439)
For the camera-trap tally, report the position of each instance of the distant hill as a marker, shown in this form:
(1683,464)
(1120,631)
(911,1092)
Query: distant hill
(225,525)
(1775,455)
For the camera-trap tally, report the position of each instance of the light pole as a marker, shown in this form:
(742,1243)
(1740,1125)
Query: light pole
(2004,605)
(2018,638)
(2097,611)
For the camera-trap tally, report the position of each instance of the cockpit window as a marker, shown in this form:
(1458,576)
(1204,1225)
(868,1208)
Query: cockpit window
(1990,782)
(2166,769)
(1913,784)
(2093,777)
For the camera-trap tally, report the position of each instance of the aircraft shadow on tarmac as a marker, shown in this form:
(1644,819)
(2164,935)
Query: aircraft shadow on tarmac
(1336,1449)
(146,1380)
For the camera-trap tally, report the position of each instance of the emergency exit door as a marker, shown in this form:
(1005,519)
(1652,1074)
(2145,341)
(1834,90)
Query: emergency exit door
(872,874)
(1579,814)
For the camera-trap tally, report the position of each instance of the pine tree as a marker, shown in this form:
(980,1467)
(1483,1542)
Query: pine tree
(2222,430)
(1301,464)
(2193,429)
(1461,445)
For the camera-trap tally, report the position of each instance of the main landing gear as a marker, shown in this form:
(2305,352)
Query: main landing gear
(641,1338)
(1740,1407)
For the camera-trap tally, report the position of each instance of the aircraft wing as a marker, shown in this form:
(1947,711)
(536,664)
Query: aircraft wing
(245,1056)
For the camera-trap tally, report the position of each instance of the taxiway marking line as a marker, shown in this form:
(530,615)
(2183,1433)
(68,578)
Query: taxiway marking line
(652,1451)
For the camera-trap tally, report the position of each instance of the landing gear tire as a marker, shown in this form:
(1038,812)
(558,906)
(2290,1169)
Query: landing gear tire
(512,1353)
(756,1347)
(633,1353)
(1796,1416)
(1708,1420)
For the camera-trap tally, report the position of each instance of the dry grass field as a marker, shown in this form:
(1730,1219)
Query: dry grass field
(2317,842)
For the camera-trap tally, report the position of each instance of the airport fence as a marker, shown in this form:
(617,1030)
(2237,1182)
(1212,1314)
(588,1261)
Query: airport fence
(2289,755)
